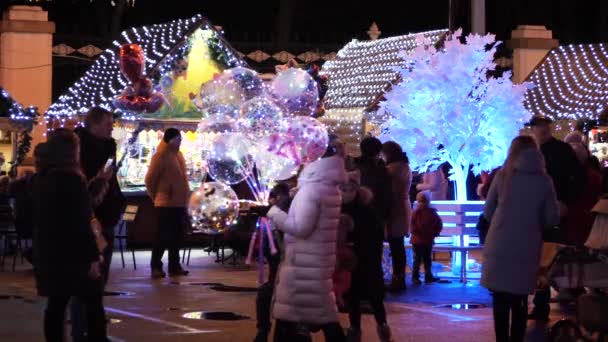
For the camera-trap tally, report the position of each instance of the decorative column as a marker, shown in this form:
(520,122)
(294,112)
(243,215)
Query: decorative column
(530,44)
(26,64)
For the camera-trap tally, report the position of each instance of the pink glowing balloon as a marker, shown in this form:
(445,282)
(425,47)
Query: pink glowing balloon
(309,136)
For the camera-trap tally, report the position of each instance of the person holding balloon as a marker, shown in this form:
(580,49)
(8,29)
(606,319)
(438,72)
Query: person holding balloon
(304,300)
(167,185)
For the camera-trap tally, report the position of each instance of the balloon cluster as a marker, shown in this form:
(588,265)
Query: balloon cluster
(139,96)
(257,133)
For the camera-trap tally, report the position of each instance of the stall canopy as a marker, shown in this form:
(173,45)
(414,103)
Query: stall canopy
(180,56)
(570,83)
(358,77)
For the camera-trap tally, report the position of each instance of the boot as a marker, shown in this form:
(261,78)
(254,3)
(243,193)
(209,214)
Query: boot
(384,333)
(397,283)
(431,279)
(158,273)
(353,334)
(416,278)
(178,271)
(262,336)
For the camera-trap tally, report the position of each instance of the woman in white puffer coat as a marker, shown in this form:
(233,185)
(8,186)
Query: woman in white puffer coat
(303,292)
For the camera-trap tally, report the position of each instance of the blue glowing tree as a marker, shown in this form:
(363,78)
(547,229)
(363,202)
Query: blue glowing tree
(448,108)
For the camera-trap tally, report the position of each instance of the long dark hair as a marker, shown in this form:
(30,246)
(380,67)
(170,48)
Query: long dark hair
(394,153)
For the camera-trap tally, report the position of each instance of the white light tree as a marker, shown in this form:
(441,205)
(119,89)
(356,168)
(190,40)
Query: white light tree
(447,108)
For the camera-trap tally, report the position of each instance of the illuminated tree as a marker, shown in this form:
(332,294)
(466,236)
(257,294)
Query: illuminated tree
(447,108)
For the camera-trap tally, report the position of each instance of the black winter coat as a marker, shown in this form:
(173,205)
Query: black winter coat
(367,238)
(375,177)
(564,168)
(64,245)
(94,153)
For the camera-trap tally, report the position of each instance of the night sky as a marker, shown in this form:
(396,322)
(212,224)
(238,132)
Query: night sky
(339,20)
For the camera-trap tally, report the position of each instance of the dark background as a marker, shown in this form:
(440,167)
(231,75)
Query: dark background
(307,25)
(333,21)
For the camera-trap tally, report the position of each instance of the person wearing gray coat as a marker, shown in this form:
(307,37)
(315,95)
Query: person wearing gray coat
(520,204)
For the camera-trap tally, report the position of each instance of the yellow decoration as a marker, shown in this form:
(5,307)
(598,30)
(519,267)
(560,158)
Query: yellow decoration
(201,69)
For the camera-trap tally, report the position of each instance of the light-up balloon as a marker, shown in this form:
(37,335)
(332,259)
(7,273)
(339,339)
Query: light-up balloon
(247,80)
(213,208)
(297,92)
(309,136)
(228,160)
(260,117)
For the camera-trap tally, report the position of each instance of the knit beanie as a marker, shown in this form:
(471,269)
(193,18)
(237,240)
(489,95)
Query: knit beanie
(170,133)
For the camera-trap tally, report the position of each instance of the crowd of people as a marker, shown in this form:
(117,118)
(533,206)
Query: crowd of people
(331,226)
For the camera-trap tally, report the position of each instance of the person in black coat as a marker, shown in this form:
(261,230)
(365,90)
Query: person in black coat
(374,175)
(96,147)
(66,256)
(569,179)
(367,237)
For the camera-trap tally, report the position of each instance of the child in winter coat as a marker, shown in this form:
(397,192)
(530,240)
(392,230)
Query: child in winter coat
(426,226)
(367,240)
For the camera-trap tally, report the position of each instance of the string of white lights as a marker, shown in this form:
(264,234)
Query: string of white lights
(571,83)
(103,81)
(14,110)
(361,72)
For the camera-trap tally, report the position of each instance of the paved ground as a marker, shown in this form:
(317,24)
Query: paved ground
(154,310)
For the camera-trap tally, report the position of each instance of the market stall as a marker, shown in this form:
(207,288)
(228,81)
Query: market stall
(155,71)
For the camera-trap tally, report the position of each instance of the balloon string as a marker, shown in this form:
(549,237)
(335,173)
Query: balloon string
(251,246)
(261,255)
(268,229)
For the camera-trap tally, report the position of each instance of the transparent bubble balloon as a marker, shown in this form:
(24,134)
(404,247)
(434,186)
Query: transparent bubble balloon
(271,164)
(221,93)
(228,160)
(309,136)
(297,92)
(260,117)
(247,80)
(213,208)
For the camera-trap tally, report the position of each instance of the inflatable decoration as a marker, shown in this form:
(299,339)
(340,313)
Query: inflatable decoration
(140,96)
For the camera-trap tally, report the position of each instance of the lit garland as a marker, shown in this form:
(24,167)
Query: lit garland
(11,109)
(362,69)
(24,118)
(163,44)
(359,76)
(571,83)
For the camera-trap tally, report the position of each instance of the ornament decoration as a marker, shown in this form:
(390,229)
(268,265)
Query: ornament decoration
(139,96)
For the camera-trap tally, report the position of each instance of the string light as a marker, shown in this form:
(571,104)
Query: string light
(360,74)
(161,44)
(13,110)
(571,83)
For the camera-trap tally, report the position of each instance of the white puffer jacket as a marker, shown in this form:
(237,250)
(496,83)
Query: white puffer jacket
(304,284)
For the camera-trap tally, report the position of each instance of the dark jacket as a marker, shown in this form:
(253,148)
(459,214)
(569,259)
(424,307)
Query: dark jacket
(20,191)
(367,238)
(565,170)
(374,176)
(94,153)
(426,226)
(64,245)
